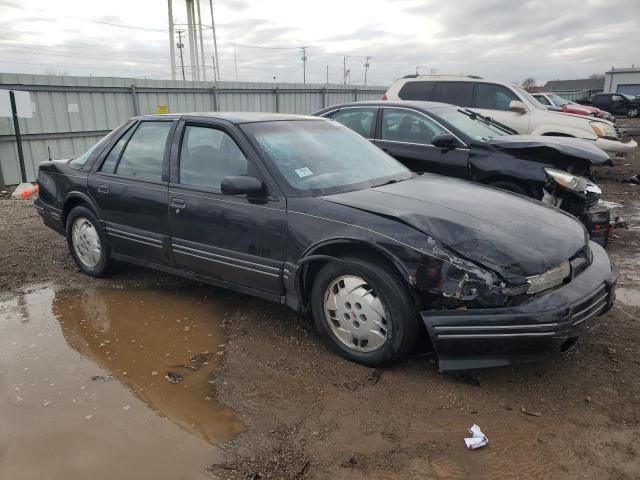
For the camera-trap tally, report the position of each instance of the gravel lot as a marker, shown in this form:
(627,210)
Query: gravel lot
(309,414)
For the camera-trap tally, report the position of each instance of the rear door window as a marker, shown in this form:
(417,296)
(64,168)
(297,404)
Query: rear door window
(417,90)
(408,126)
(456,93)
(494,97)
(360,120)
(144,154)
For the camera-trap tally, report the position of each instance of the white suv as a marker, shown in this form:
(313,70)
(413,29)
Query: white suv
(511,105)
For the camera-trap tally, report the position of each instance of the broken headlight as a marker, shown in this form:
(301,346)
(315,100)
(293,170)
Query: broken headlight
(549,279)
(567,180)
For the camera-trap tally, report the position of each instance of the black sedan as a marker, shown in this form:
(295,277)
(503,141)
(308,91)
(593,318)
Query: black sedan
(450,140)
(304,212)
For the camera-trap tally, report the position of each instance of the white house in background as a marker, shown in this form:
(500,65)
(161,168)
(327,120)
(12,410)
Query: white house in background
(623,80)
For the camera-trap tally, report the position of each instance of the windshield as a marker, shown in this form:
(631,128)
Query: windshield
(470,123)
(323,157)
(557,100)
(79,161)
(529,98)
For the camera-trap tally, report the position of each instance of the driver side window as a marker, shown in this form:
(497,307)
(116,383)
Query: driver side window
(400,125)
(207,155)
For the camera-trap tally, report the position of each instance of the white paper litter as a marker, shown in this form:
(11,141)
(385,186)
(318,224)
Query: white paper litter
(477,439)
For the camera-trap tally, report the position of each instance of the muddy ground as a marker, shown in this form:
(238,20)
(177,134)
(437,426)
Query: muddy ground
(268,401)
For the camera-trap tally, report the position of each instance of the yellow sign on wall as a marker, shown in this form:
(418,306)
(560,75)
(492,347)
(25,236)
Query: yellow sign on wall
(162,109)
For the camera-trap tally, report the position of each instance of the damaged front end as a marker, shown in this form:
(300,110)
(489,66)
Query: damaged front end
(476,320)
(578,196)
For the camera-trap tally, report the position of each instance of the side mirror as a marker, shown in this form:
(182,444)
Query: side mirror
(444,140)
(243,185)
(517,106)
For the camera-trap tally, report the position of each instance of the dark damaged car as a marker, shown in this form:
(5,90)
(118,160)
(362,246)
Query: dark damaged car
(304,212)
(458,142)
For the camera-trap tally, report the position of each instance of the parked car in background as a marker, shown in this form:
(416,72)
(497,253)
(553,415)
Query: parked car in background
(458,142)
(511,105)
(305,212)
(550,100)
(616,103)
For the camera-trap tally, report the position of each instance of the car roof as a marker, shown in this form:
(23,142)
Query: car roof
(453,78)
(233,117)
(391,103)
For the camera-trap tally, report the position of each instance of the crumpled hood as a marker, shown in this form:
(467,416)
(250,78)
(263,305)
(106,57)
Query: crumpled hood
(509,234)
(576,148)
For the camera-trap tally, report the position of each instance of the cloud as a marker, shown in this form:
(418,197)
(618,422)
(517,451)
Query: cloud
(503,39)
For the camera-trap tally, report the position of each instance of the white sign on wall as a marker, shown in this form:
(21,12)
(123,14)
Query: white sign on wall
(23,104)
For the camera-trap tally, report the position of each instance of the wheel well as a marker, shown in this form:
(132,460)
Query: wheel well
(69,205)
(341,250)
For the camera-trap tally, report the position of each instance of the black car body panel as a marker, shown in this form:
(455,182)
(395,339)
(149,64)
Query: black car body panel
(516,160)
(465,220)
(455,244)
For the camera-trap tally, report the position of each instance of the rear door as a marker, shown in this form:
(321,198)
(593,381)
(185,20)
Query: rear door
(406,135)
(493,101)
(233,239)
(359,119)
(130,186)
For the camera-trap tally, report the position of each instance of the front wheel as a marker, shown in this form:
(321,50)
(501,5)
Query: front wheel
(633,112)
(87,243)
(363,311)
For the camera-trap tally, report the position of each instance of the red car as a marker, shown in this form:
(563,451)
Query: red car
(550,99)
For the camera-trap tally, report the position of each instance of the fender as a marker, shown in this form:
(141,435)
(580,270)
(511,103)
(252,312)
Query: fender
(74,194)
(548,128)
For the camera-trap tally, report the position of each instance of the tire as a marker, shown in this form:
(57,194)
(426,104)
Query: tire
(633,112)
(87,242)
(511,187)
(348,331)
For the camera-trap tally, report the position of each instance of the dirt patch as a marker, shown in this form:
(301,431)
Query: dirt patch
(311,415)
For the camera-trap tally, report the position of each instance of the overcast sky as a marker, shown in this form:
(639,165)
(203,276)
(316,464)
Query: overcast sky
(502,39)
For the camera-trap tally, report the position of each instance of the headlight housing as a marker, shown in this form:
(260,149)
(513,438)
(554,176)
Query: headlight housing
(603,129)
(549,279)
(567,180)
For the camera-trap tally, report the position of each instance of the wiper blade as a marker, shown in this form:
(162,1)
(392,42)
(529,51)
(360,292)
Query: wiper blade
(487,120)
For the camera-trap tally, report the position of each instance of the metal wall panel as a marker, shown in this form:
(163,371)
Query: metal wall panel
(78,110)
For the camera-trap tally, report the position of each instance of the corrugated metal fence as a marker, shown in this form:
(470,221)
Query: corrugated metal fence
(72,113)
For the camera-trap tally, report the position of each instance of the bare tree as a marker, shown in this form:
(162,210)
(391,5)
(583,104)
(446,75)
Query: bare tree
(528,83)
(596,76)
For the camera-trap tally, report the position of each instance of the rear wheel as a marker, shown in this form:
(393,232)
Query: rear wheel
(363,311)
(87,242)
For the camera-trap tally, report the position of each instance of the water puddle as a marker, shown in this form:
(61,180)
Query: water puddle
(83,387)
(628,296)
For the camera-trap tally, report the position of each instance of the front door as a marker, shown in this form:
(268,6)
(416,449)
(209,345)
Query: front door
(406,135)
(230,238)
(493,101)
(130,187)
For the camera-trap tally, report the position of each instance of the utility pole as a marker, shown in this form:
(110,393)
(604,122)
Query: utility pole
(366,68)
(344,70)
(304,64)
(327,75)
(204,70)
(180,45)
(235,58)
(172,52)
(216,61)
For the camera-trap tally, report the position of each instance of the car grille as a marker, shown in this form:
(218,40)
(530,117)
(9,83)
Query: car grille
(590,307)
(591,200)
(618,132)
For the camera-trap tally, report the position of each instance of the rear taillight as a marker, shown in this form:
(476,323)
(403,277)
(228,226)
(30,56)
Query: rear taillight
(384,97)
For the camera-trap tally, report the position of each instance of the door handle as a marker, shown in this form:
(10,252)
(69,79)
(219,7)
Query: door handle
(178,202)
(103,188)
